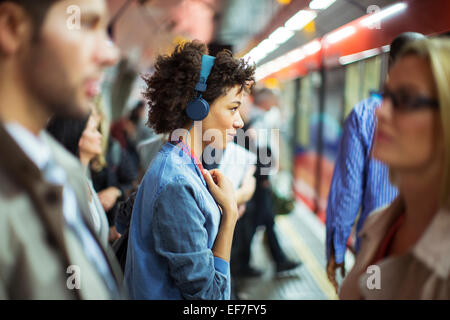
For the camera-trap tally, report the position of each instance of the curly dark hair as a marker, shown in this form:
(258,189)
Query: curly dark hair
(172,85)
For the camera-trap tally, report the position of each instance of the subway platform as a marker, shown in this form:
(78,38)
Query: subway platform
(302,236)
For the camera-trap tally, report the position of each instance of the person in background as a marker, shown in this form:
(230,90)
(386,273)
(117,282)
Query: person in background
(130,130)
(183,217)
(82,138)
(405,247)
(260,209)
(114,174)
(360,183)
(46,69)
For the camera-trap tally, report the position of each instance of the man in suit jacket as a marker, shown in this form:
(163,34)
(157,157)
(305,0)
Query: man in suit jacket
(49,65)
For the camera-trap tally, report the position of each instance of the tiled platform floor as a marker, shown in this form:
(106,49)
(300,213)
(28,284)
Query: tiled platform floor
(302,236)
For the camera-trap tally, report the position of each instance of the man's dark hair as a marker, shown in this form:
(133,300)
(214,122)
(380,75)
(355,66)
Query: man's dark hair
(68,132)
(400,42)
(36,9)
(172,85)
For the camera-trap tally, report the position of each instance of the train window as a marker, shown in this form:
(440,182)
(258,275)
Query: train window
(362,77)
(370,76)
(308,106)
(352,83)
(287,108)
(333,109)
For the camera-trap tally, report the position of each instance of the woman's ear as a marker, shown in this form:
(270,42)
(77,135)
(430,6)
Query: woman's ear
(15,28)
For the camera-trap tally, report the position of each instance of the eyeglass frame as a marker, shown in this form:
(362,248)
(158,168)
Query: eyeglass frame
(415,103)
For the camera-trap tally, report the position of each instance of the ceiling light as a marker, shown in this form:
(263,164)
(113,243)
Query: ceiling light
(267,46)
(295,55)
(281,35)
(256,54)
(262,50)
(320,4)
(299,20)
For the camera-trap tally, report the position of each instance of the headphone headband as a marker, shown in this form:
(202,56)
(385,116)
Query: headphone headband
(207,64)
(198,108)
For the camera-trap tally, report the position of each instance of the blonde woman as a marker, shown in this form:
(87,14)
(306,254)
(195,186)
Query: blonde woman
(113,172)
(405,249)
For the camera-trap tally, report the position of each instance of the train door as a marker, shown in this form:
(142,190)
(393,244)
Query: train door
(327,124)
(307,104)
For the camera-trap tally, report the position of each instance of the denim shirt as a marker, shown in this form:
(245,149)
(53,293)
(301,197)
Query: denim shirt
(174,224)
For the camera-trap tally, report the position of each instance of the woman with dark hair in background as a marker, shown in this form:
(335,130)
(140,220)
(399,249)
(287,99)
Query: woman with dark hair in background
(184,216)
(83,140)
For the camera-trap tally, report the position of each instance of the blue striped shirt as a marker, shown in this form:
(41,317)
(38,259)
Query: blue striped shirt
(359,181)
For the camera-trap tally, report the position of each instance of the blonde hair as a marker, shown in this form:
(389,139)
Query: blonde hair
(437,52)
(99,162)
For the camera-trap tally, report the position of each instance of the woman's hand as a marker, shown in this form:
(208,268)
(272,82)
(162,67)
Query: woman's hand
(332,267)
(222,191)
(113,234)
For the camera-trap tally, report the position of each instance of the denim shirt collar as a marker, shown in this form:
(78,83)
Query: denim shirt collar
(184,156)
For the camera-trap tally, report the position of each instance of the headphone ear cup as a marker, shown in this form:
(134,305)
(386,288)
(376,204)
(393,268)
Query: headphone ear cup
(197,109)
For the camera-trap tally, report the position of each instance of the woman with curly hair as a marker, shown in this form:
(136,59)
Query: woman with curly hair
(184,216)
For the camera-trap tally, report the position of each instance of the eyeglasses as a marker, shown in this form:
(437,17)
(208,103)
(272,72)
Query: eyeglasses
(405,102)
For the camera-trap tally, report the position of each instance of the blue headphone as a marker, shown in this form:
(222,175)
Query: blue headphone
(198,108)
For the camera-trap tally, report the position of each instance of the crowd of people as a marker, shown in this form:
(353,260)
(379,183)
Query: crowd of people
(136,209)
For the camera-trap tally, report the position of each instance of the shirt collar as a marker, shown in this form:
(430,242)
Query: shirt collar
(33,146)
(433,246)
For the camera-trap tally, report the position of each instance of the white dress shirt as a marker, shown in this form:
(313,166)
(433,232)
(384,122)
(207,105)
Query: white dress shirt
(39,152)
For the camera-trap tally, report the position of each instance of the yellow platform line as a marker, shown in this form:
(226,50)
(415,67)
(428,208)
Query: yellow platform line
(307,257)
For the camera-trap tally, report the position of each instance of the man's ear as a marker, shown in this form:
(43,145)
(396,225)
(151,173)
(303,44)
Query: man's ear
(15,28)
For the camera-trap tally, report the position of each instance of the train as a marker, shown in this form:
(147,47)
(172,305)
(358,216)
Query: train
(321,81)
